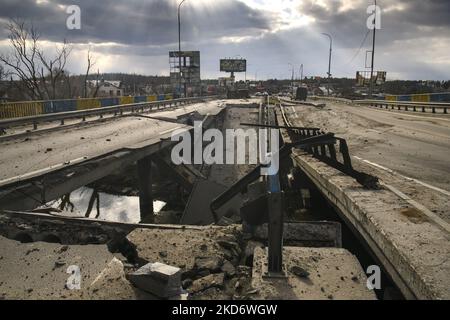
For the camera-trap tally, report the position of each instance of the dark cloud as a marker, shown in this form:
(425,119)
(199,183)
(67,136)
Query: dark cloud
(143,31)
(137,22)
(416,19)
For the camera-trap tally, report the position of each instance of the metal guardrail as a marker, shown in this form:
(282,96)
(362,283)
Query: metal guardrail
(407,105)
(347,101)
(415,106)
(119,109)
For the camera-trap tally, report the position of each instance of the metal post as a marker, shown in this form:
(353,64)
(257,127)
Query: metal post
(179,47)
(292,74)
(145,187)
(275,210)
(301,73)
(329,61)
(275,233)
(373,53)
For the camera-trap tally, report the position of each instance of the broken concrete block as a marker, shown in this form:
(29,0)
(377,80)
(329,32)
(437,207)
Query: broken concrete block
(249,249)
(230,245)
(208,263)
(111,284)
(228,269)
(212,280)
(158,278)
(299,271)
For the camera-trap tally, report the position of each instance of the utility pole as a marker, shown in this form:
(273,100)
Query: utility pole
(373,52)
(179,48)
(301,73)
(292,74)
(329,61)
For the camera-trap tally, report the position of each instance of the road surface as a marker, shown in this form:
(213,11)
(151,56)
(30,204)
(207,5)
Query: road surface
(408,150)
(41,151)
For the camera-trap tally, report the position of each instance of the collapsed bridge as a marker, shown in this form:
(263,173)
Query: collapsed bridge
(316,176)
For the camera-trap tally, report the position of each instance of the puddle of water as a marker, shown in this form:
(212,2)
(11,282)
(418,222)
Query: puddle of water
(111,207)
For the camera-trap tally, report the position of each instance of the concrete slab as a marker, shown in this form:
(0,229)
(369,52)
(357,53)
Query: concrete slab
(40,153)
(180,247)
(307,234)
(39,270)
(327,274)
(413,249)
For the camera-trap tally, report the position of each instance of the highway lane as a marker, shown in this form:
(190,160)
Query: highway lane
(38,152)
(208,107)
(409,151)
(414,145)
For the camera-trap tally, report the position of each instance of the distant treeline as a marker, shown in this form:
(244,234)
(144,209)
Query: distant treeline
(414,87)
(131,79)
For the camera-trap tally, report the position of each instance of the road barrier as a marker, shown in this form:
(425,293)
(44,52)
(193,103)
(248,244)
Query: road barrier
(422,97)
(116,110)
(432,107)
(415,106)
(32,108)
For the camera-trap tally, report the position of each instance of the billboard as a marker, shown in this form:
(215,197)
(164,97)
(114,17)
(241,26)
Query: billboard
(233,65)
(185,77)
(363,78)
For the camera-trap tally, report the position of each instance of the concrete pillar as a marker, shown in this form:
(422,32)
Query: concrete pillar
(275,233)
(145,188)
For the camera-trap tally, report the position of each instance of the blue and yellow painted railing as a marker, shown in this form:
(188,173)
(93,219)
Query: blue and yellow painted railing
(32,108)
(425,97)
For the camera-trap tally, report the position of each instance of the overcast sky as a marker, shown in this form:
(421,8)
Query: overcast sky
(136,35)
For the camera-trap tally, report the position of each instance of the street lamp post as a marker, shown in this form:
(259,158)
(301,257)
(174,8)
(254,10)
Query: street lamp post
(179,48)
(329,60)
(373,53)
(292,74)
(301,73)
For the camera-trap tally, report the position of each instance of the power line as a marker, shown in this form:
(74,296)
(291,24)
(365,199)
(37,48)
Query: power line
(360,47)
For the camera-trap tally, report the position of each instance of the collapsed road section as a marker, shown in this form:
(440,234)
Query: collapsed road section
(230,231)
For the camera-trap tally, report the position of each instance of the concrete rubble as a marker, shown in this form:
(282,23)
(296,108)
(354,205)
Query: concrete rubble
(312,274)
(153,263)
(162,280)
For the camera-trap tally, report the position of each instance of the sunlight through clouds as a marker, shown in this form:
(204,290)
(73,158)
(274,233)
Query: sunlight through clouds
(137,34)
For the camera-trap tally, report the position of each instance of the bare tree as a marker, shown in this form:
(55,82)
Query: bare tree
(53,68)
(97,85)
(3,74)
(90,64)
(3,78)
(38,74)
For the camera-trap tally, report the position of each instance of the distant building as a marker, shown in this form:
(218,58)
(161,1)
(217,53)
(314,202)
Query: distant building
(226,81)
(323,91)
(103,88)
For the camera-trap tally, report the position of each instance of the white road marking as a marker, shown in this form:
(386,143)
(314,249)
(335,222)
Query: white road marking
(405,177)
(437,220)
